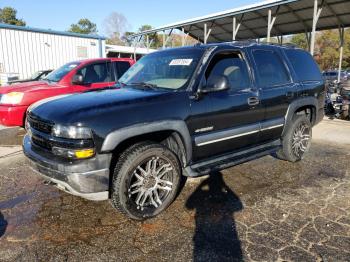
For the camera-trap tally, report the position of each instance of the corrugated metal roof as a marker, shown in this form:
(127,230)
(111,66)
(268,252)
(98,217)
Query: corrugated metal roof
(293,16)
(128,49)
(48,31)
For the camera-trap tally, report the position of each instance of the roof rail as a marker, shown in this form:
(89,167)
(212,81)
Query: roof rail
(250,41)
(284,44)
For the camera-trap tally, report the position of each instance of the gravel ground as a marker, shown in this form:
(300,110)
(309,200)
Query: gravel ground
(264,210)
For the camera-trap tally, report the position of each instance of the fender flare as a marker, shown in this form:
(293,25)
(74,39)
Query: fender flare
(114,138)
(305,101)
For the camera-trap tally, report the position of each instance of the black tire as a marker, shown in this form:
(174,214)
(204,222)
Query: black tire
(292,150)
(136,170)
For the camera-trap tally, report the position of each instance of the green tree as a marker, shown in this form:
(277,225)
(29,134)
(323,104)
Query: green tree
(8,15)
(328,45)
(84,26)
(155,39)
(126,37)
(300,41)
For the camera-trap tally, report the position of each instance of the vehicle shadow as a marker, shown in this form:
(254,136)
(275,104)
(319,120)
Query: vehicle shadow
(215,237)
(3,225)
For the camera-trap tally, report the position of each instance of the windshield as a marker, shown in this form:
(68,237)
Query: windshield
(170,69)
(59,73)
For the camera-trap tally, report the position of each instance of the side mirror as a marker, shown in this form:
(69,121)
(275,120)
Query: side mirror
(216,83)
(78,80)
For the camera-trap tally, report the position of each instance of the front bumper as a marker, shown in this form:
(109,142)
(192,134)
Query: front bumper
(88,178)
(12,115)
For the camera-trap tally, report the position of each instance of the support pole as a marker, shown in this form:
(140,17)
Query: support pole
(183,37)
(308,39)
(135,52)
(341,50)
(270,22)
(165,40)
(235,28)
(206,33)
(147,43)
(316,17)
(280,39)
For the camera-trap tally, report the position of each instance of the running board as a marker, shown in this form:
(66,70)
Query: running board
(229,160)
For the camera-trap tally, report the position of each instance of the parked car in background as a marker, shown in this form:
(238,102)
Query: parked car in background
(38,75)
(332,76)
(181,112)
(73,77)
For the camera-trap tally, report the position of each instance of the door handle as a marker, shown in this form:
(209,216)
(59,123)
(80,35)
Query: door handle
(253,101)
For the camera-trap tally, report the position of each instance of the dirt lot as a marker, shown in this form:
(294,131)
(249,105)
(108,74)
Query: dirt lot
(263,210)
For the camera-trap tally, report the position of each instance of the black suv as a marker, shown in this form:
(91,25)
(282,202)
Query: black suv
(176,113)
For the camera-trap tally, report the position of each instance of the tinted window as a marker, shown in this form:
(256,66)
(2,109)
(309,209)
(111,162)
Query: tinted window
(233,67)
(271,70)
(122,67)
(304,65)
(97,73)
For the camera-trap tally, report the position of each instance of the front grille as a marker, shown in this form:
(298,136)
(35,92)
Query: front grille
(41,142)
(40,125)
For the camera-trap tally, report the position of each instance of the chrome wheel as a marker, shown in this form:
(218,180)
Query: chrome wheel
(151,183)
(301,139)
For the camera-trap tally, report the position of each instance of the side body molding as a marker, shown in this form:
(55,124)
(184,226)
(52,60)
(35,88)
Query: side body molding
(116,137)
(305,101)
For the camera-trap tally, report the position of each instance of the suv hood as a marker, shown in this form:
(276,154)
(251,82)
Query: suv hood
(80,109)
(27,87)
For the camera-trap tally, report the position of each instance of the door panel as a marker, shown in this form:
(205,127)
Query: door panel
(277,90)
(235,124)
(231,123)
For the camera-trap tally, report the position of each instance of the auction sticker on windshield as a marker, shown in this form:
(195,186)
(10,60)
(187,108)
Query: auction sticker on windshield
(182,62)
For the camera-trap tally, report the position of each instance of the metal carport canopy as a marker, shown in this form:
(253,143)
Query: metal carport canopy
(251,22)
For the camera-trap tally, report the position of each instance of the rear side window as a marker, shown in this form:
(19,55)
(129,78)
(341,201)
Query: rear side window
(271,70)
(122,67)
(304,65)
(97,73)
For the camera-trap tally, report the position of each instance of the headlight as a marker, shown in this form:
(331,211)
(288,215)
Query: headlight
(72,132)
(74,153)
(12,98)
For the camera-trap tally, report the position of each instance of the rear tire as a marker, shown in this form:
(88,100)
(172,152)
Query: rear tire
(146,180)
(297,139)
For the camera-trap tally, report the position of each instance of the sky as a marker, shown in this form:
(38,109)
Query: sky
(59,15)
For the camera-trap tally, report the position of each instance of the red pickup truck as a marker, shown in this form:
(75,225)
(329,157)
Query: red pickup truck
(73,77)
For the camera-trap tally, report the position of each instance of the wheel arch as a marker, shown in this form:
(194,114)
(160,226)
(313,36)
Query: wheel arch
(307,105)
(172,133)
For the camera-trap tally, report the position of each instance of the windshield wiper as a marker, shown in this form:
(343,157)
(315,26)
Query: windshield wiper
(143,84)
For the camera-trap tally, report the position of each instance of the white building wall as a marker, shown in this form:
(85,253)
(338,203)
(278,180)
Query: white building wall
(24,52)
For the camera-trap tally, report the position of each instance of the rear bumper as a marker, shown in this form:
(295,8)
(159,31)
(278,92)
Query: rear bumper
(88,178)
(12,115)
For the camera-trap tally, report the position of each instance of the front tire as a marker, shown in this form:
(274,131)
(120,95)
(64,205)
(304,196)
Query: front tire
(297,139)
(146,180)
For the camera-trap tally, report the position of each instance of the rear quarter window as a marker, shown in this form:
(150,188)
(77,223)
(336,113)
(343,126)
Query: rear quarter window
(304,65)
